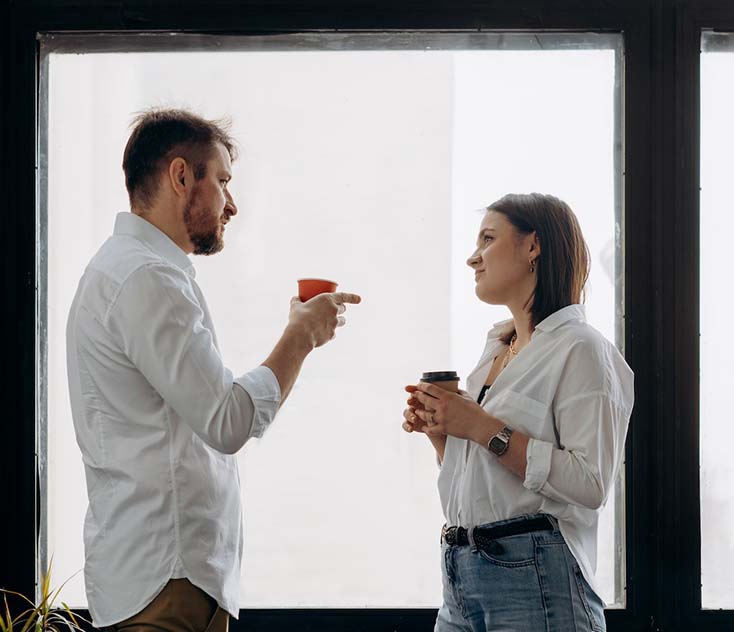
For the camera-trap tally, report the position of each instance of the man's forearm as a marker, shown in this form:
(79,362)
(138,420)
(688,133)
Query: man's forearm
(286,359)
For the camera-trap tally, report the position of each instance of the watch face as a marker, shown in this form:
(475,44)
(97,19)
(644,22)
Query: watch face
(497,445)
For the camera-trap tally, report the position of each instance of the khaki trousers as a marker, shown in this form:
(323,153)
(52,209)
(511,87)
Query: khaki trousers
(179,607)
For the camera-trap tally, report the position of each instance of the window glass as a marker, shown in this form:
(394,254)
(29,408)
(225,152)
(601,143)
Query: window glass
(366,166)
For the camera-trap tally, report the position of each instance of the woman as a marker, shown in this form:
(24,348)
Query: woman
(530,452)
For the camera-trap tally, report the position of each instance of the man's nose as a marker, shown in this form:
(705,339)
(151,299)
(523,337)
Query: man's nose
(230,208)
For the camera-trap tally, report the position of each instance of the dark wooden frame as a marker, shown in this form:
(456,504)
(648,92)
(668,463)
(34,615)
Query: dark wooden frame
(660,160)
(680,560)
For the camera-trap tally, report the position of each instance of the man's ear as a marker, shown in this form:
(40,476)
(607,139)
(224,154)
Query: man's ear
(179,176)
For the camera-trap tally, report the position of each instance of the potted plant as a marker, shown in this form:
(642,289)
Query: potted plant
(45,616)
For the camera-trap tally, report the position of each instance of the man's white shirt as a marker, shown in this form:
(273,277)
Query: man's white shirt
(572,392)
(158,418)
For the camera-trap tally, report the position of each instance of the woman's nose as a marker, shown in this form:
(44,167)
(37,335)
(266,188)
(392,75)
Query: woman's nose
(473,260)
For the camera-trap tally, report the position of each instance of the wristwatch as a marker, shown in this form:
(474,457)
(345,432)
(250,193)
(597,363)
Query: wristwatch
(500,442)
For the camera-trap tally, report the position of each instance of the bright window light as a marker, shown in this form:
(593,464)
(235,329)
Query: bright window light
(365,166)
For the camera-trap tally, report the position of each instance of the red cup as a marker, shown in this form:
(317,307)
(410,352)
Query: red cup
(308,288)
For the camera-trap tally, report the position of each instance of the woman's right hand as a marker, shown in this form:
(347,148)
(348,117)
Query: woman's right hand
(413,423)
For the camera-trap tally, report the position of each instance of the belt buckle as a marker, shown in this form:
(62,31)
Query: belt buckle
(450,536)
(444,530)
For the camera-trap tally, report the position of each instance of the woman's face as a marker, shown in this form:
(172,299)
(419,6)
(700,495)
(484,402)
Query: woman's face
(501,262)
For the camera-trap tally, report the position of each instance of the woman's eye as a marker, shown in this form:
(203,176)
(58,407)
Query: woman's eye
(487,238)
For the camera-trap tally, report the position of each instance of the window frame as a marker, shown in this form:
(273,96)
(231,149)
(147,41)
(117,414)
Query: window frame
(660,162)
(679,394)
(347,41)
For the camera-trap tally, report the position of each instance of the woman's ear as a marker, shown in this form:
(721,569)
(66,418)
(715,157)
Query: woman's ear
(534,244)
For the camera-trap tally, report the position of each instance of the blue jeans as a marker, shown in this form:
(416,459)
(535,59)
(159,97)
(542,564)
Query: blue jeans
(523,583)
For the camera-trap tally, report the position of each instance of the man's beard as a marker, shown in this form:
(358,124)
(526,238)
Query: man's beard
(203,235)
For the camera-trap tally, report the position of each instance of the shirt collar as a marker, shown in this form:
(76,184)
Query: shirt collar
(135,226)
(562,316)
(551,323)
(501,328)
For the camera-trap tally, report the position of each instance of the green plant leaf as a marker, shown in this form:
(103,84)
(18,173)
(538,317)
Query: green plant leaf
(7,621)
(75,618)
(70,613)
(58,622)
(17,594)
(46,580)
(32,619)
(44,616)
(21,617)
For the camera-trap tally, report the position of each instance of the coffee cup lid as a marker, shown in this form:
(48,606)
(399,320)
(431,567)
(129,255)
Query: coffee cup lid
(440,376)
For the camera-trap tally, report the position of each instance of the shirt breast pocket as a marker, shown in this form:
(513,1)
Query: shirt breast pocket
(523,413)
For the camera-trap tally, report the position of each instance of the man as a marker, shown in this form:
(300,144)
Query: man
(157,415)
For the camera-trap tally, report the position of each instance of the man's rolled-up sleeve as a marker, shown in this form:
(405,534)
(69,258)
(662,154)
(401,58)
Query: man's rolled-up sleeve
(264,391)
(159,323)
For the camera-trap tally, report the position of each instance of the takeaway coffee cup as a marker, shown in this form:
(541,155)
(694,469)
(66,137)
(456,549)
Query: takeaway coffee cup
(308,288)
(445,379)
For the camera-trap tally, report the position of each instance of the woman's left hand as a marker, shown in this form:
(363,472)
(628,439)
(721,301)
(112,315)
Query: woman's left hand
(447,413)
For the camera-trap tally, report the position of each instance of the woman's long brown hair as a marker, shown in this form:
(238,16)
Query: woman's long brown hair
(563,264)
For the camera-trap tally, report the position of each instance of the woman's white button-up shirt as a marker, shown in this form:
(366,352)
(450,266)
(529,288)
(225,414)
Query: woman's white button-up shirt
(572,392)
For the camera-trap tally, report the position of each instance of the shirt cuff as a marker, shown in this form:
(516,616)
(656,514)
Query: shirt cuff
(264,390)
(538,466)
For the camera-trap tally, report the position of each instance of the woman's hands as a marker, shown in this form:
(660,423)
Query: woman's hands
(436,411)
(412,422)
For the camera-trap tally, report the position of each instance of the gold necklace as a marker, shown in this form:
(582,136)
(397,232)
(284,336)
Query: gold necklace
(510,350)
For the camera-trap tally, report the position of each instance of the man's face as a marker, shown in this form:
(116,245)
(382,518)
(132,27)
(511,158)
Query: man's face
(210,205)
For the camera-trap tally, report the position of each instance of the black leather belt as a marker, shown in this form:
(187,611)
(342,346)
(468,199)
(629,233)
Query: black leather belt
(459,536)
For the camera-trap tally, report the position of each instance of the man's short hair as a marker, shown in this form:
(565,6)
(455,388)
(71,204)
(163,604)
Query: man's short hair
(159,136)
